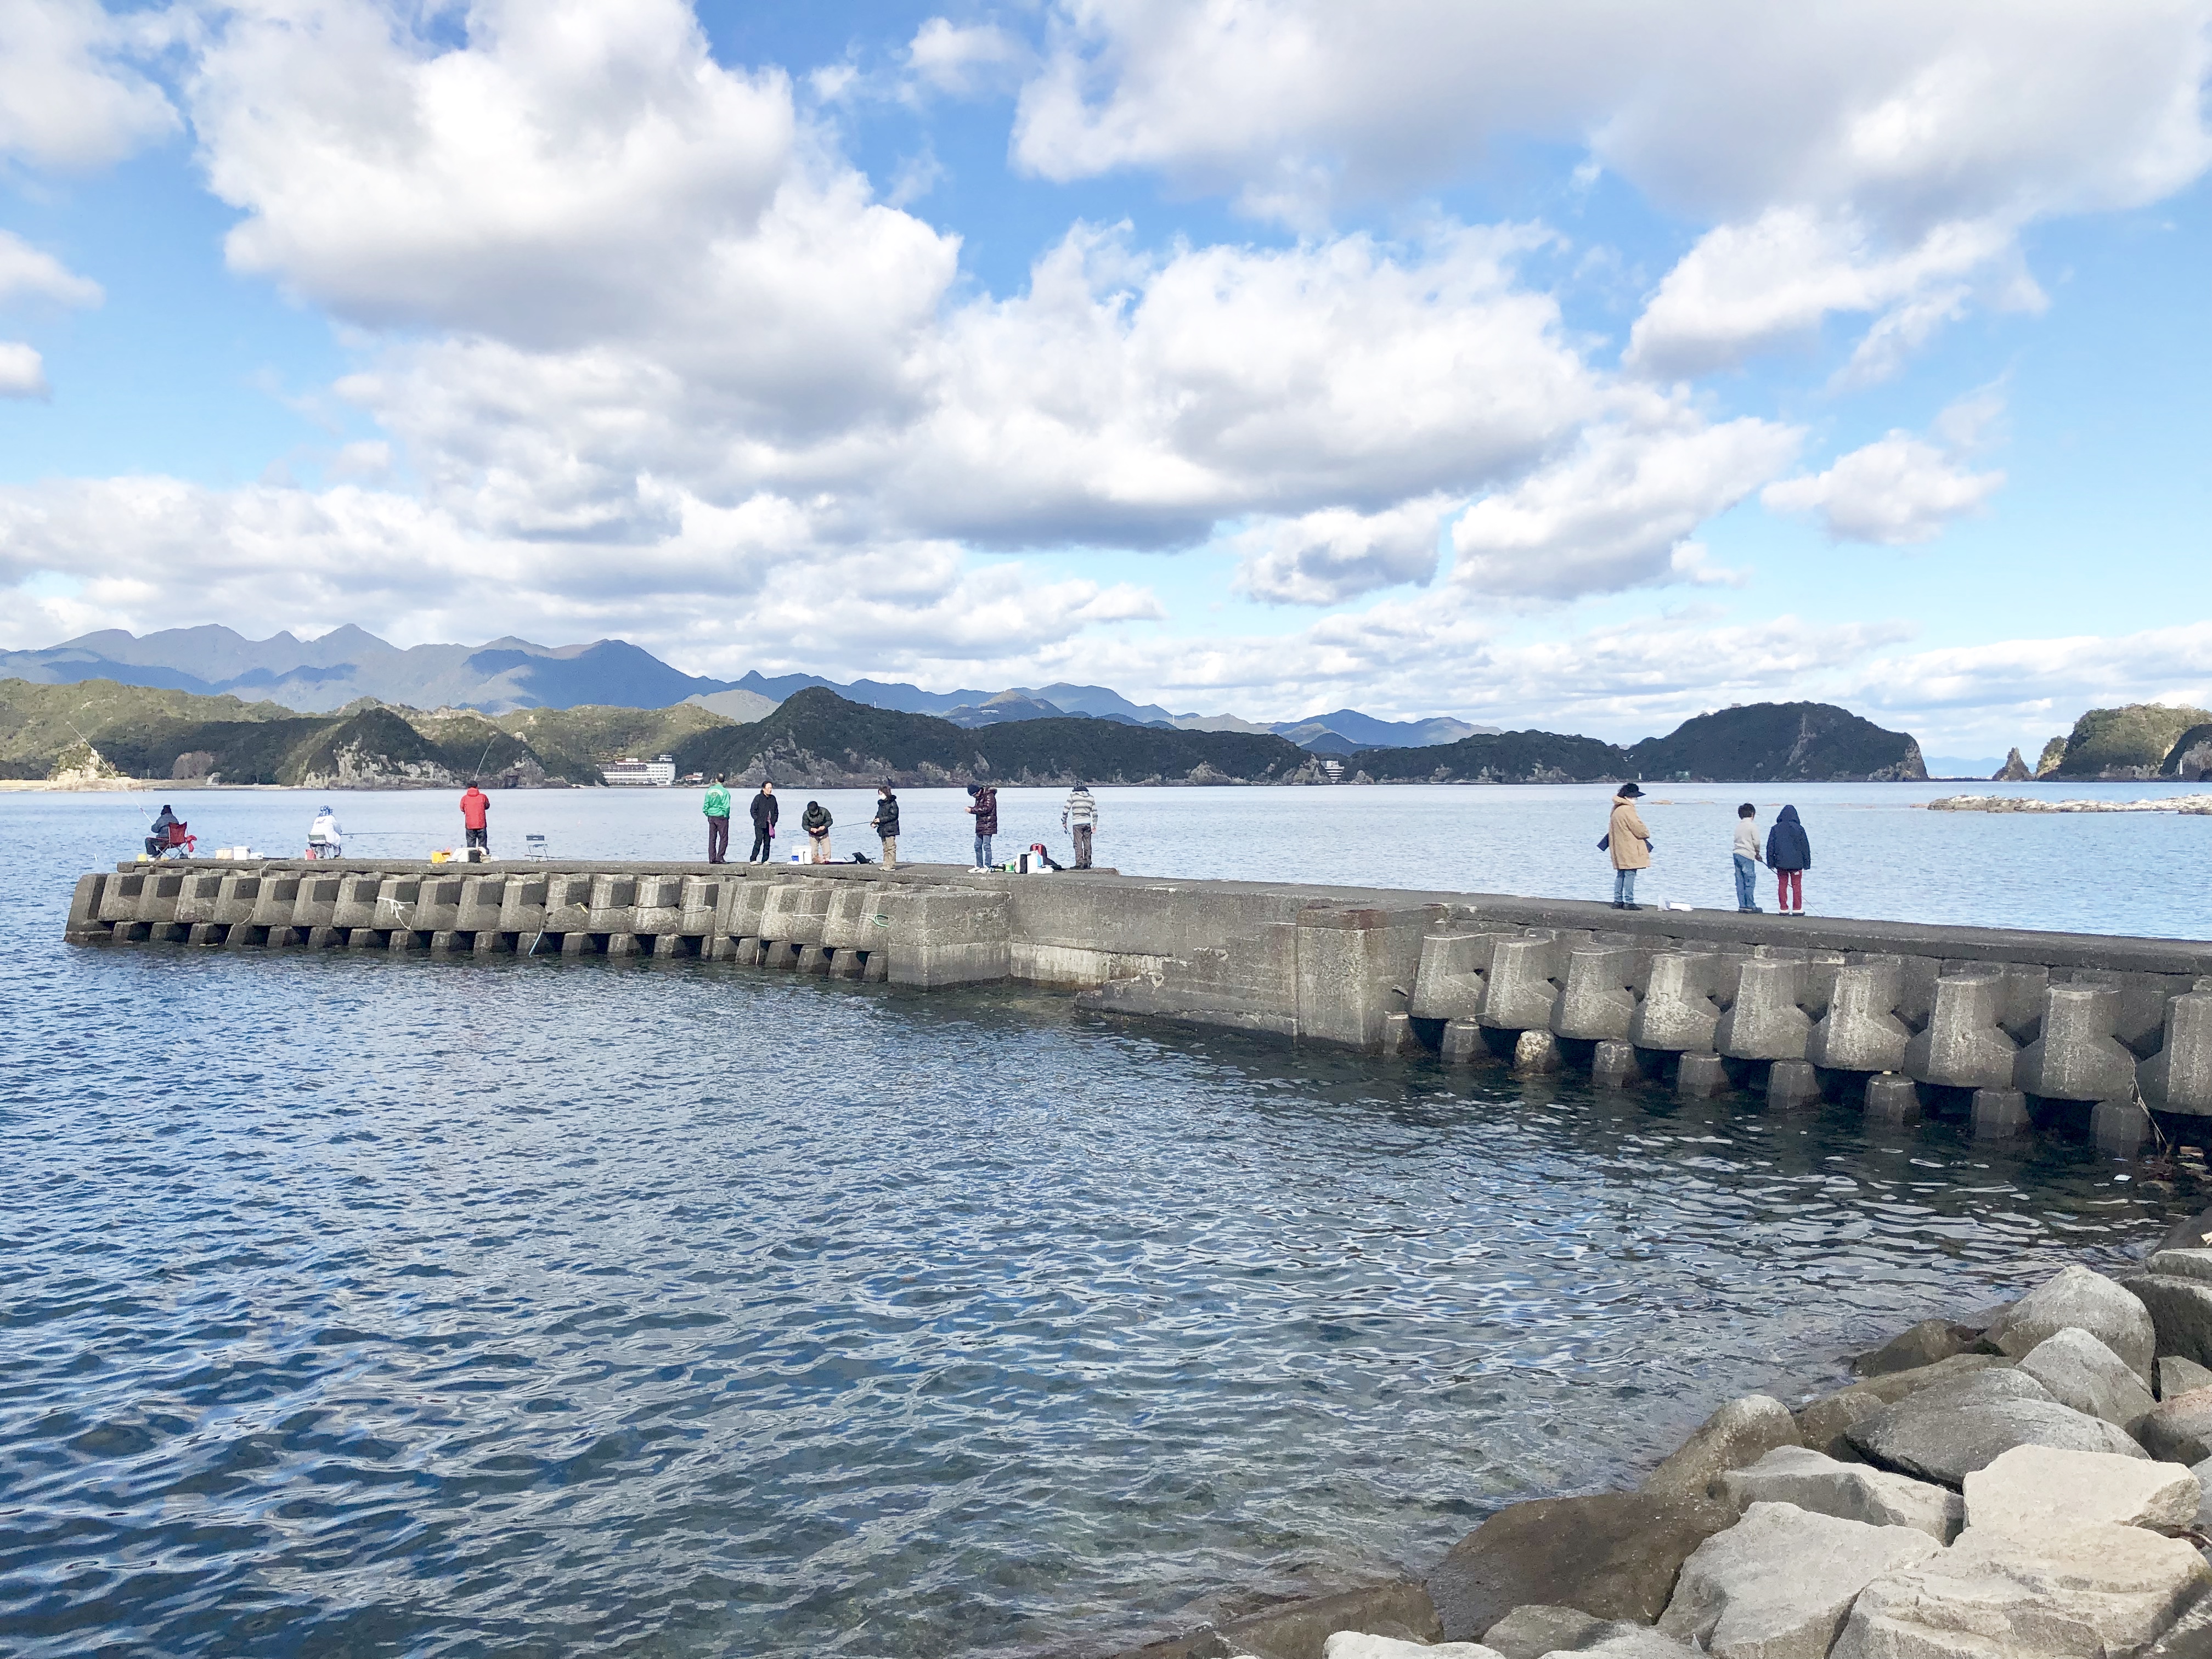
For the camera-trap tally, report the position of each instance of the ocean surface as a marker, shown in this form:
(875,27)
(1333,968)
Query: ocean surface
(356,1306)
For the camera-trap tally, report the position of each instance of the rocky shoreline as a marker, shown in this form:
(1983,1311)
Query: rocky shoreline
(2185,803)
(2032,1481)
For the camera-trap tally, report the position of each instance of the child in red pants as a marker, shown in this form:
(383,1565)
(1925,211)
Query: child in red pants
(1790,855)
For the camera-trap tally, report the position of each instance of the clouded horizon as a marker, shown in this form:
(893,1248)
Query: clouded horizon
(1582,366)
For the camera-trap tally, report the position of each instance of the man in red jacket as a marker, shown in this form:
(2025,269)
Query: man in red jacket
(474,805)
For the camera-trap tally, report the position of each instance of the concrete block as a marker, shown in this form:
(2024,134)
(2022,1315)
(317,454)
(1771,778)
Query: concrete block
(493,942)
(356,900)
(613,905)
(567,905)
(848,923)
(1685,997)
(483,901)
(2119,1127)
(1453,974)
(444,942)
(1615,1064)
(578,945)
(1701,1076)
(117,895)
(317,903)
(396,898)
(400,940)
(522,904)
(282,938)
(1355,964)
(1862,1029)
(206,932)
(952,936)
(234,901)
(623,944)
(744,901)
(273,905)
(438,904)
(1964,1045)
(2179,1077)
(1462,1043)
(1892,1098)
(157,898)
(1526,975)
(1599,995)
(795,911)
(876,967)
(1536,1053)
(846,964)
(813,959)
(1776,1003)
(1791,1084)
(1398,1039)
(660,906)
(363,938)
(699,905)
(2075,1057)
(1999,1114)
(196,902)
(325,939)
(84,926)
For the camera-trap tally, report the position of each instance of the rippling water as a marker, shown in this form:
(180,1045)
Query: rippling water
(362,1306)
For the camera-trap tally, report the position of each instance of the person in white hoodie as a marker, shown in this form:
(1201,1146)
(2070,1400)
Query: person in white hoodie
(324,839)
(1747,856)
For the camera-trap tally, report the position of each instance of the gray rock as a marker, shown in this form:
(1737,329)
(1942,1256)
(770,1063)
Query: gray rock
(2180,1309)
(1821,1423)
(1358,1645)
(1532,1632)
(2181,1430)
(2191,1261)
(1297,1630)
(2203,1473)
(2036,1594)
(1636,1642)
(1850,1491)
(2189,1637)
(1929,1341)
(2040,1486)
(2081,1371)
(1613,1555)
(1739,1434)
(2078,1297)
(1944,1433)
(1899,1384)
(1780,1583)
(2193,1233)
(2176,1376)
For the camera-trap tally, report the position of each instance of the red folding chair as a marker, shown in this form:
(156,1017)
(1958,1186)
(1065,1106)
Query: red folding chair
(181,843)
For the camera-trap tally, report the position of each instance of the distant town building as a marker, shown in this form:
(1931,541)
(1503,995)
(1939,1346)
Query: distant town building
(637,773)
(1334,769)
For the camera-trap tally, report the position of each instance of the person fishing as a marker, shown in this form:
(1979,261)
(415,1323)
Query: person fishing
(816,821)
(157,835)
(475,805)
(325,839)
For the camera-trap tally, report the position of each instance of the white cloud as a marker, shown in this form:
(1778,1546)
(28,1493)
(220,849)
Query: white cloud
(1614,511)
(1897,490)
(27,273)
(23,371)
(962,60)
(66,98)
(1336,554)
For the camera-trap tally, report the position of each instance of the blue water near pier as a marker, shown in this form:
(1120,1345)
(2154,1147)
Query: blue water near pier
(359,1306)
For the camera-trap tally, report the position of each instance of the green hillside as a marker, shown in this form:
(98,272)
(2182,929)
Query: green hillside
(1496,757)
(1780,743)
(2126,743)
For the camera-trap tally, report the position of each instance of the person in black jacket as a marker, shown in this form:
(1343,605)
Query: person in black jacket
(816,821)
(1790,855)
(765,813)
(886,822)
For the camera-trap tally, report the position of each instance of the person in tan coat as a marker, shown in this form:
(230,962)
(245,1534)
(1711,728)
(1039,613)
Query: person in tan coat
(1630,843)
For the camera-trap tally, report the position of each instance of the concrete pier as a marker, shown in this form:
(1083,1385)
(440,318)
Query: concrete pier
(2005,1030)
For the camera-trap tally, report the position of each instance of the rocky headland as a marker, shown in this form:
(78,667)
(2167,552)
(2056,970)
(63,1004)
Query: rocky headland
(2030,1480)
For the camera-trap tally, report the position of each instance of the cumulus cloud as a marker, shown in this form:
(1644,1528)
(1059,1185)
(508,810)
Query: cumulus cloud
(1614,512)
(68,99)
(27,272)
(1336,554)
(23,371)
(962,59)
(1897,490)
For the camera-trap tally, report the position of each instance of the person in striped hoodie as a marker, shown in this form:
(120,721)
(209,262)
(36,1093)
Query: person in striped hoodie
(1079,818)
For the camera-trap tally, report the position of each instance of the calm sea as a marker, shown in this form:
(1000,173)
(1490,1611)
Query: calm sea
(356,1306)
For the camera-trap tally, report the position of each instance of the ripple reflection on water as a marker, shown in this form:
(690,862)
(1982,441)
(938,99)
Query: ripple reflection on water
(352,1305)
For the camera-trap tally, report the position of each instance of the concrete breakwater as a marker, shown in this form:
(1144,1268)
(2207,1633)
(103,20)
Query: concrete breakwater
(2009,1030)
(2027,1482)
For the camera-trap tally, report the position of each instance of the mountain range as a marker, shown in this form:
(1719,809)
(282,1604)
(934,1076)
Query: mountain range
(321,675)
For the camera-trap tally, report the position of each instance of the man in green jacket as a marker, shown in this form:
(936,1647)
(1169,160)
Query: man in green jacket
(717,808)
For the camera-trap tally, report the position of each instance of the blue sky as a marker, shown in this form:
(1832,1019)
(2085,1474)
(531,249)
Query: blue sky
(1569,368)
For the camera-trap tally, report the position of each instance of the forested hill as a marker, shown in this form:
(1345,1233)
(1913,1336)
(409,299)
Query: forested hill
(816,739)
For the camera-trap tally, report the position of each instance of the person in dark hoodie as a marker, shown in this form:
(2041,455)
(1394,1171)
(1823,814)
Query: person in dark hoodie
(886,821)
(1790,855)
(765,813)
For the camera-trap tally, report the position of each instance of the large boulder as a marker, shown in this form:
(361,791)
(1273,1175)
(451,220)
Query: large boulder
(1930,1340)
(1738,1434)
(2089,1300)
(2176,1376)
(2040,1486)
(2042,1594)
(2176,1294)
(1533,1631)
(1944,1433)
(2181,1430)
(1779,1583)
(1613,1555)
(2191,1233)
(2081,1371)
(1821,1423)
(1358,1645)
(1635,1643)
(1850,1491)
(1897,1385)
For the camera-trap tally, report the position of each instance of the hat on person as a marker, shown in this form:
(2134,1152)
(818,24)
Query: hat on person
(1628,789)
(974,788)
